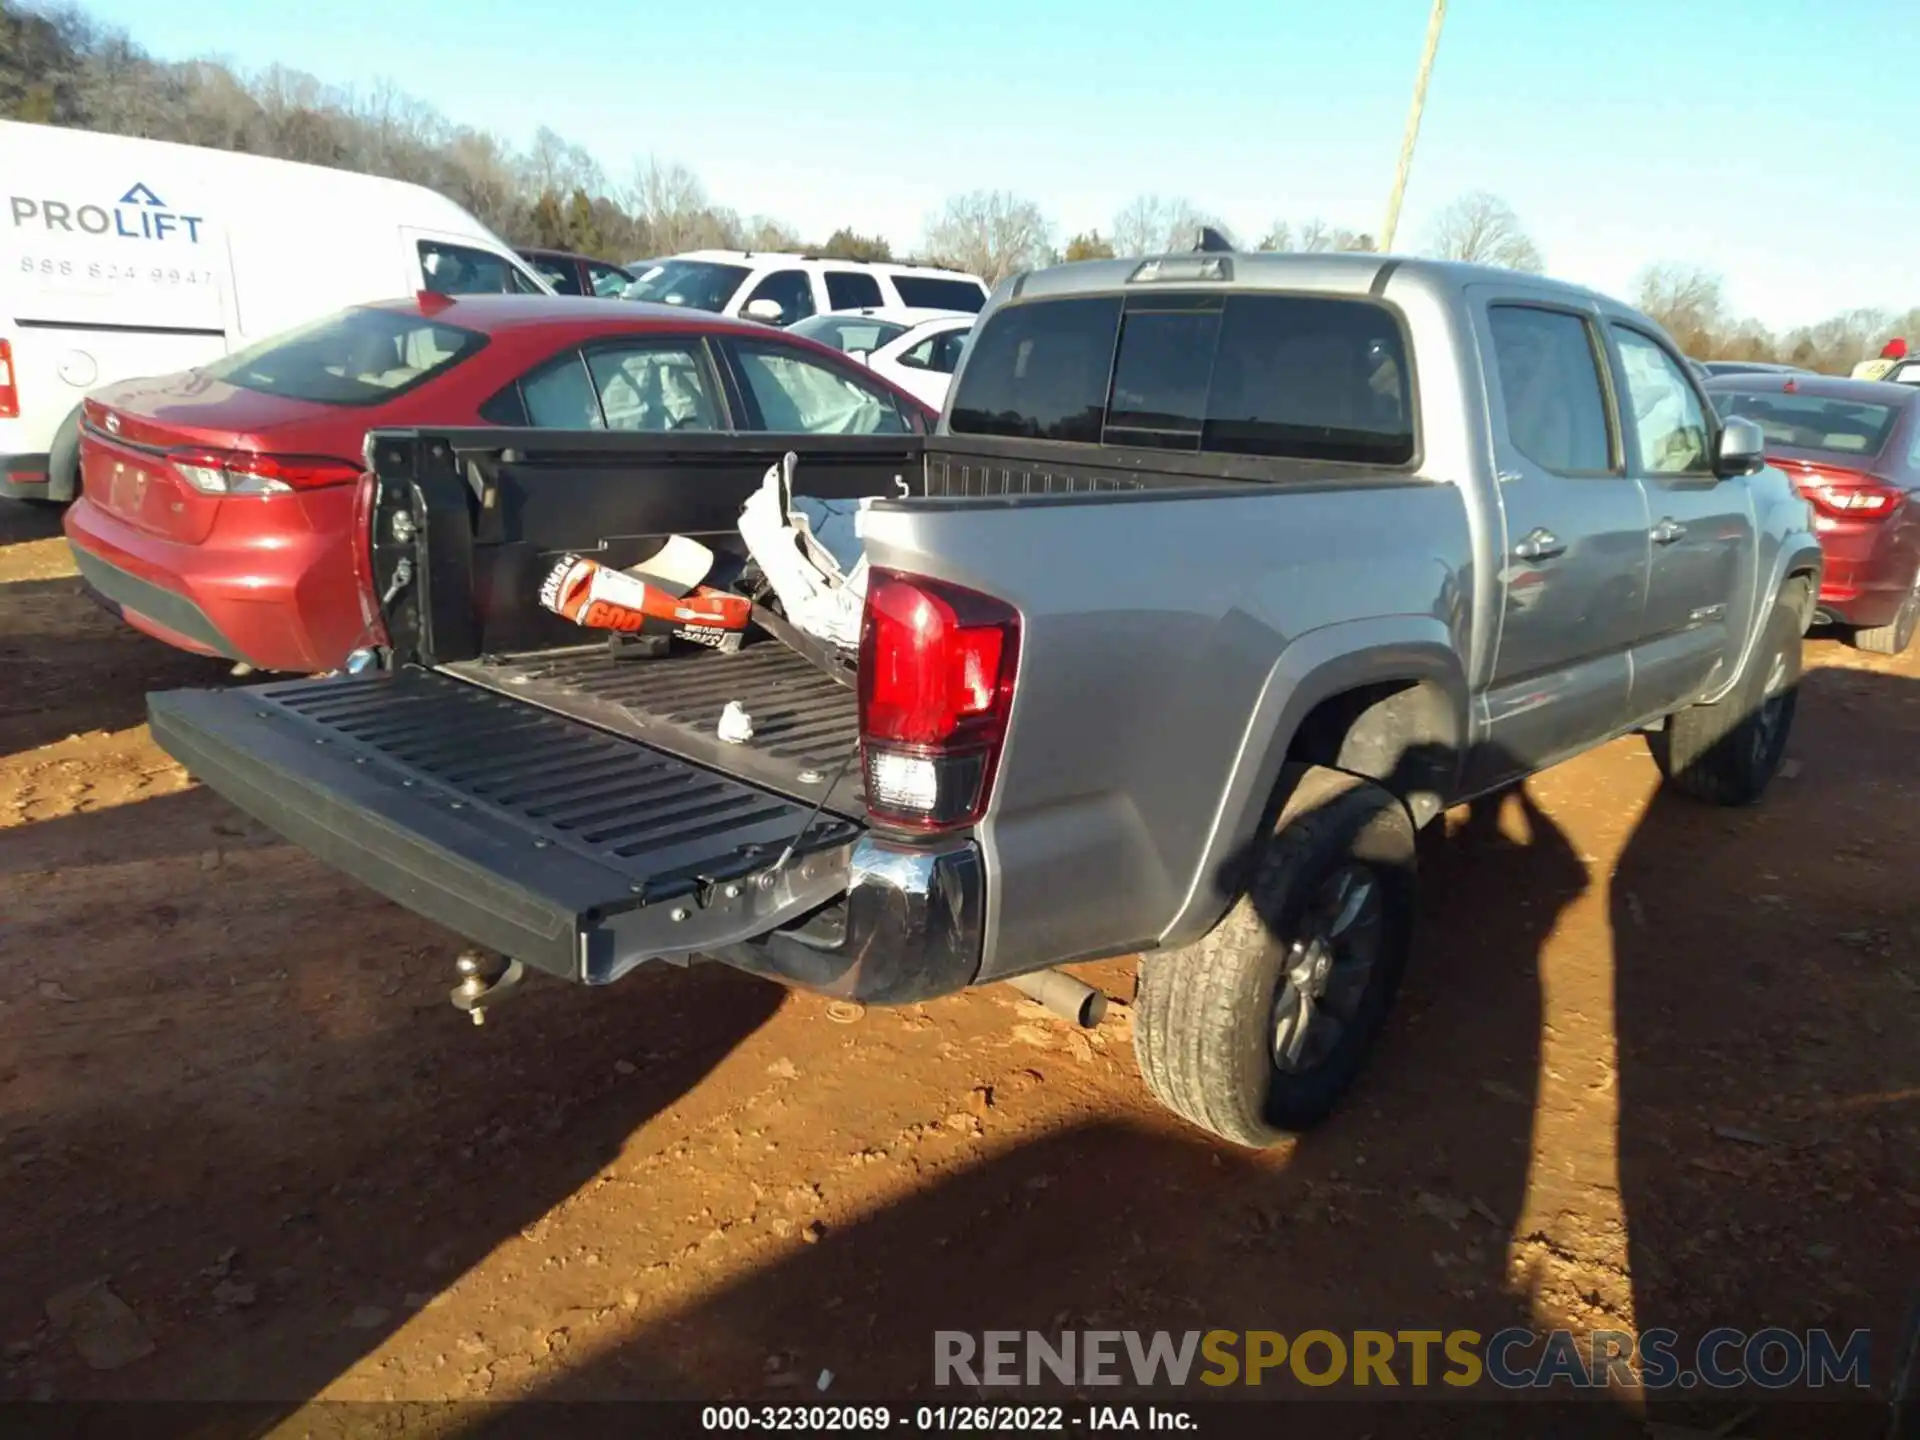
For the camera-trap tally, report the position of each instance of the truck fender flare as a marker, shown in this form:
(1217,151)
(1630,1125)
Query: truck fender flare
(1799,556)
(1315,667)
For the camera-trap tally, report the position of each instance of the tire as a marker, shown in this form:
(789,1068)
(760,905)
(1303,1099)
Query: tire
(1893,637)
(1213,1021)
(1728,752)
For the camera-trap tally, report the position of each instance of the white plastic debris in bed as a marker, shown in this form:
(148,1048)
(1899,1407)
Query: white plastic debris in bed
(736,725)
(811,554)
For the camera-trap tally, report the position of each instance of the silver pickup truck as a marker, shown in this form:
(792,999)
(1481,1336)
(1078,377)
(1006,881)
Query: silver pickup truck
(1223,574)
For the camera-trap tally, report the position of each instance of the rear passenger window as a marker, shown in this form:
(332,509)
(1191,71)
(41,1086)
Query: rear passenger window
(940,353)
(652,388)
(851,290)
(929,292)
(797,395)
(559,396)
(1550,386)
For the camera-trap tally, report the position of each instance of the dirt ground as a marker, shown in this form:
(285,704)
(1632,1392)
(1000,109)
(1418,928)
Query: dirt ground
(1654,1064)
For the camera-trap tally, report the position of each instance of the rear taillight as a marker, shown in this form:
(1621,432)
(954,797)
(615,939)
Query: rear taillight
(1845,494)
(936,688)
(242,472)
(9,391)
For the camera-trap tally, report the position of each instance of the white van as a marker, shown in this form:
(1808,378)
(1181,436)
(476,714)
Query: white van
(122,257)
(781,289)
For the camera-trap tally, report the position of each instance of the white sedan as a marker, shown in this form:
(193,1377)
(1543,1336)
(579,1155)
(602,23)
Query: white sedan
(918,350)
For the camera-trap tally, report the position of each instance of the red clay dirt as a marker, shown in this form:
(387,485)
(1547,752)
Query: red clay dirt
(1654,1064)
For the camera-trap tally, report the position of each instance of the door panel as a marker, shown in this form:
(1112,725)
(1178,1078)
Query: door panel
(1575,561)
(1700,528)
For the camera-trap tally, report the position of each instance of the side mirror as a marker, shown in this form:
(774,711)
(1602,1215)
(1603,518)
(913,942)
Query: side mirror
(768,311)
(860,355)
(1743,447)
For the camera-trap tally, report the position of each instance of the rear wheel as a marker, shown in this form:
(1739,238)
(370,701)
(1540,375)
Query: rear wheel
(1258,1030)
(1893,637)
(1728,752)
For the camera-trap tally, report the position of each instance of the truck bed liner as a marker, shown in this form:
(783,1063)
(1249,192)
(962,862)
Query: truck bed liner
(574,850)
(806,726)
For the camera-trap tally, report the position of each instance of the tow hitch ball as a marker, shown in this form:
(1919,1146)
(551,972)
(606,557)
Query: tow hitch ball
(485,980)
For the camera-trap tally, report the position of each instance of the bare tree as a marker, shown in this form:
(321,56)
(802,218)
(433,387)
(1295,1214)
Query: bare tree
(763,232)
(1688,301)
(989,233)
(1482,229)
(1314,237)
(670,201)
(1161,225)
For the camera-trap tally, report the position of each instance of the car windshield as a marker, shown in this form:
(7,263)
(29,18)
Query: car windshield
(357,357)
(697,284)
(848,332)
(1811,422)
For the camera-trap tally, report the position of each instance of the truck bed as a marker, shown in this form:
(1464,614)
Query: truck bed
(806,726)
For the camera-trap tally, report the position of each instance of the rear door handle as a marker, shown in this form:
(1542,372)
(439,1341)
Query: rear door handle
(1667,531)
(1540,544)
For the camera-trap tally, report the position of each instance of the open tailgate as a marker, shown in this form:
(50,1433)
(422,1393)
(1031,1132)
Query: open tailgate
(577,851)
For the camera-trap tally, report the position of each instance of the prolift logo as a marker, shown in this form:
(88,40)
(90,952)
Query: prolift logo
(139,215)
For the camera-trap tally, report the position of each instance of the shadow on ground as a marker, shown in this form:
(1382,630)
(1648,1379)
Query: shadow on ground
(68,666)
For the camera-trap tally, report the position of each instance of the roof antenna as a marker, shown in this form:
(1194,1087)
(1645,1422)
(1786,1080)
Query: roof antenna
(1212,242)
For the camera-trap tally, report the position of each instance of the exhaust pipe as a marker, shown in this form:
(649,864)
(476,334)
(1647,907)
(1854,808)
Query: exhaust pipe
(1070,999)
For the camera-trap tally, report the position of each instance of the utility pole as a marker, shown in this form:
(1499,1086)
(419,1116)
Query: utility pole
(1413,125)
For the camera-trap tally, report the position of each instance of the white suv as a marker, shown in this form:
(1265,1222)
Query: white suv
(781,289)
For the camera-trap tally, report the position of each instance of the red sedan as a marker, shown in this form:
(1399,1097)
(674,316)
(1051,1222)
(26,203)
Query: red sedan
(217,510)
(1852,447)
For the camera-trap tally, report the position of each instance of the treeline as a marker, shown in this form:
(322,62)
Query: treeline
(59,67)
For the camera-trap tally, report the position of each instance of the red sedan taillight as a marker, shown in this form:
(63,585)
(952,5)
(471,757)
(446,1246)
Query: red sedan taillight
(937,668)
(243,472)
(1843,494)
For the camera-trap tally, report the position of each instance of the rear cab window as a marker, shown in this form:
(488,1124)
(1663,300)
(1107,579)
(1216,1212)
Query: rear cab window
(1273,375)
(933,292)
(357,357)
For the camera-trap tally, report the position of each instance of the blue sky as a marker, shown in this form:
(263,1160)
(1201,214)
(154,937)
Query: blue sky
(1766,139)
